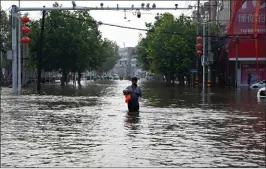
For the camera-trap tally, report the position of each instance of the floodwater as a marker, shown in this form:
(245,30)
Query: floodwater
(89,127)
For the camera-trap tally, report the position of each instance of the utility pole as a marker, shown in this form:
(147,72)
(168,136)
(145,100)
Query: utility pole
(197,59)
(209,50)
(14,50)
(40,55)
(236,63)
(19,54)
(204,53)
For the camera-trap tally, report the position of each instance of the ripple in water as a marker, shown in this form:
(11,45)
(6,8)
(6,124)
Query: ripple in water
(88,127)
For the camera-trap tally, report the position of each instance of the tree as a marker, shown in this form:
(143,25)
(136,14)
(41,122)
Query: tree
(166,52)
(72,42)
(5,39)
(109,55)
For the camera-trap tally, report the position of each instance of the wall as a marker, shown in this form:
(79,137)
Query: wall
(223,15)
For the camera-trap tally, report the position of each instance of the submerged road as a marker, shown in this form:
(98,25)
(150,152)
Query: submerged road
(177,127)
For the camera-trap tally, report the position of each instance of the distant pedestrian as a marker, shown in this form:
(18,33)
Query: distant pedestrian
(217,80)
(249,79)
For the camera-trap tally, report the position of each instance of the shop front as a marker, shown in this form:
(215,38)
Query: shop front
(247,47)
(257,73)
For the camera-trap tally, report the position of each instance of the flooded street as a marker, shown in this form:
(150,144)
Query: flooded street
(89,127)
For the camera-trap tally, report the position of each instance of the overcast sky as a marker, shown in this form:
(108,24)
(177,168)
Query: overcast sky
(121,36)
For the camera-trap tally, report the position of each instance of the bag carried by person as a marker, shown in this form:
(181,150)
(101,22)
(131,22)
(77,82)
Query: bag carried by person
(127,98)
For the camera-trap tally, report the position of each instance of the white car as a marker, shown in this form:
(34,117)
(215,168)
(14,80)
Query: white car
(261,92)
(258,84)
(115,77)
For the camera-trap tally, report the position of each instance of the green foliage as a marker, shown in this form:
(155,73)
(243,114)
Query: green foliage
(72,42)
(109,54)
(5,37)
(170,54)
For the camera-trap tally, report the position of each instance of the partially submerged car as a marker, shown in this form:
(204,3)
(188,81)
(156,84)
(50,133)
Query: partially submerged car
(258,85)
(261,92)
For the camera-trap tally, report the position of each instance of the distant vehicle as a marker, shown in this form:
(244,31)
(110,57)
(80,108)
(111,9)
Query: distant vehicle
(149,76)
(261,92)
(115,77)
(258,84)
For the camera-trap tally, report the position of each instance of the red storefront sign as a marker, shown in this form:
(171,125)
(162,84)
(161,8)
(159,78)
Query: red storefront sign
(251,68)
(244,20)
(243,24)
(246,49)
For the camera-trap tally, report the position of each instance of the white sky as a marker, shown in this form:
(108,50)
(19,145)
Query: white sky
(121,36)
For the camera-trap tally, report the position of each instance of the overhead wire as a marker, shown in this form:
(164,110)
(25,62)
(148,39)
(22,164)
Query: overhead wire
(166,32)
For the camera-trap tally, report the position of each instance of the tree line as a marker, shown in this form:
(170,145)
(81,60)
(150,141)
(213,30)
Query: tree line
(72,43)
(169,54)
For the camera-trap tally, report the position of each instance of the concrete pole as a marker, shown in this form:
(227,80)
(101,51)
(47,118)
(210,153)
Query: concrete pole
(24,51)
(19,54)
(204,53)
(14,50)
(209,51)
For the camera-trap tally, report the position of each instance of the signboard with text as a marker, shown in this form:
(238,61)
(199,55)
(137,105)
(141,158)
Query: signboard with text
(245,18)
(243,24)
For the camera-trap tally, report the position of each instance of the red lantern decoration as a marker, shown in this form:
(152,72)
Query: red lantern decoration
(25,29)
(199,46)
(25,19)
(25,40)
(199,38)
(199,52)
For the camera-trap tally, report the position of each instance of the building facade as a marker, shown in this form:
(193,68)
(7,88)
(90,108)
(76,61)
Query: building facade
(126,66)
(247,55)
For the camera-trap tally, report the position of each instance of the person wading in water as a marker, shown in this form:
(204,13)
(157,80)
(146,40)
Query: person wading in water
(135,92)
(249,79)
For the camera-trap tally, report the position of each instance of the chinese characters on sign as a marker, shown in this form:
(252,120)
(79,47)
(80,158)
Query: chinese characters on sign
(250,18)
(246,17)
(254,69)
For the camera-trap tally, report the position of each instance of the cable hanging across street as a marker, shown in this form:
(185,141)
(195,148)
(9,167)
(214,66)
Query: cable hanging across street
(173,33)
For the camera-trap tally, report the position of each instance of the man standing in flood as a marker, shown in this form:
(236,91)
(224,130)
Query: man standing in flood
(135,92)
(249,79)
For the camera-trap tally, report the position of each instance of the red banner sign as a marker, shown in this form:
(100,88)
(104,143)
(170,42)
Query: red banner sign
(244,20)
(252,68)
(246,49)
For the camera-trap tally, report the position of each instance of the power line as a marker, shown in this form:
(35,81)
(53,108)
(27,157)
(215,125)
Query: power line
(166,32)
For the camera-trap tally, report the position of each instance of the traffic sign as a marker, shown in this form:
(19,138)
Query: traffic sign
(193,70)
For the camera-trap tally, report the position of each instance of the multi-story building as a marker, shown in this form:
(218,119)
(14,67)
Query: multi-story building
(247,56)
(223,16)
(127,65)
